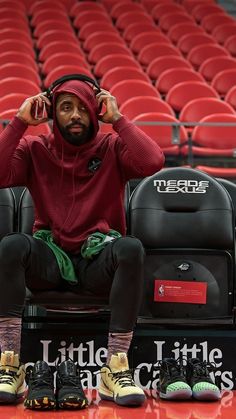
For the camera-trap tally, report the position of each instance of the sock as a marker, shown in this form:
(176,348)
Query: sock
(10,334)
(118,342)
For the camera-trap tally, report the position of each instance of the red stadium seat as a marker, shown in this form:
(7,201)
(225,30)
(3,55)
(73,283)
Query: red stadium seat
(9,23)
(18,85)
(224,172)
(146,38)
(156,49)
(210,22)
(117,74)
(84,17)
(12,101)
(60,47)
(230,97)
(200,53)
(126,89)
(99,37)
(123,7)
(182,28)
(224,31)
(37,6)
(16,45)
(230,45)
(104,49)
(127,18)
(167,21)
(18,57)
(187,42)
(19,70)
(62,70)
(173,76)
(150,4)
(198,108)
(13,33)
(92,26)
(56,35)
(160,64)
(160,9)
(65,58)
(80,7)
(224,80)
(142,104)
(165,136)
(19,14)
(182,93)
(56,14)
(190,4)
(133,29)
(215,141)
(212,66)
(14,4)
(50,25)
(201,10)
(114,60)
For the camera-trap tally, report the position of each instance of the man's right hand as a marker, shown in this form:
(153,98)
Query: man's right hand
(30,112)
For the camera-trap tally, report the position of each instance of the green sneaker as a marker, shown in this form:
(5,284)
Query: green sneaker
(198,377)
(117,383)
(12,378)
(172,384)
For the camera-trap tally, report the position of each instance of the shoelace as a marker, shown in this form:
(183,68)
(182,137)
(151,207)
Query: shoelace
(124,377)
(73,380)
(175,371)
(203,368)
(7,377)
(41,379)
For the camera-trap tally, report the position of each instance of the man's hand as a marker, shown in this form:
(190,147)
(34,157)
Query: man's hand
(111,113)
(33,109)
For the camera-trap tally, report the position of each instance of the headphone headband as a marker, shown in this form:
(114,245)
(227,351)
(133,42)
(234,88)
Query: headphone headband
(67,77)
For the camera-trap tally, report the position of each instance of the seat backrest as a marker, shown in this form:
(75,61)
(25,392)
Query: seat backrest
(180,208)
(198,108)
(7,211)
(25,212)
(230,186)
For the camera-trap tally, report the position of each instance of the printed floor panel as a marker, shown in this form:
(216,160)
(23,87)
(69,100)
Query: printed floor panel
(154,408)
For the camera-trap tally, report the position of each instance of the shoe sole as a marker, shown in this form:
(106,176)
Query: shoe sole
(207,395)
(40,404)
(72,404)
(129,400)
(9,398)
(176,395)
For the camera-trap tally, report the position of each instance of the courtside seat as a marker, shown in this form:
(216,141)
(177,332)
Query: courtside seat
(185,220)
(54,303)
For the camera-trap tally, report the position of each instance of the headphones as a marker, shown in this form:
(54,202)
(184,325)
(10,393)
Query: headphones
(82,77)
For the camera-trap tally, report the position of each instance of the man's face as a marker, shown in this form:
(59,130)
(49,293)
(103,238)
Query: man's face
(73,119)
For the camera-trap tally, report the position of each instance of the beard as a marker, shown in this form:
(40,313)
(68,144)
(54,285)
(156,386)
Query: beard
(77,138)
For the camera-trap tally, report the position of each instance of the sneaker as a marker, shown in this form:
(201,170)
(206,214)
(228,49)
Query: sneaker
(117,383)
(172,381)
(69,390)
(199,379)
(12,378)
(40,387)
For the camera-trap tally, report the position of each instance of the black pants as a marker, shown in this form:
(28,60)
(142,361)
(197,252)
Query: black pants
(117,272)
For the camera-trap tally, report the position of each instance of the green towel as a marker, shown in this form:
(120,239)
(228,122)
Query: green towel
(96,242)
(65,265)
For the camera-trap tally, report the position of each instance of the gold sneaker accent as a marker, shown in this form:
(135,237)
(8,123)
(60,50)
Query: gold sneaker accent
(117,383)
(12,377)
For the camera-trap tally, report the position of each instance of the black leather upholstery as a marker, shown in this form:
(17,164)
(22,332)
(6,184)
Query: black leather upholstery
(184,216)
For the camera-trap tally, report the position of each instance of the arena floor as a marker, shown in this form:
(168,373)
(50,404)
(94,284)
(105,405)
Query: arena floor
(152,409)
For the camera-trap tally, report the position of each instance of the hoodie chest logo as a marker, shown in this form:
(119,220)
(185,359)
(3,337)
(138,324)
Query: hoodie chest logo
(94,164)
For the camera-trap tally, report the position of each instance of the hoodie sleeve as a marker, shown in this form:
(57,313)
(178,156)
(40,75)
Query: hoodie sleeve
(139,155)
(13,154)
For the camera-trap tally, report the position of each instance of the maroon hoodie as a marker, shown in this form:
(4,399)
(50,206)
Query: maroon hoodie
(77,190)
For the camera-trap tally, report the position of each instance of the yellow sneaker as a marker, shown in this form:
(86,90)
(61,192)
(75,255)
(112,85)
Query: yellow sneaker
(12,378)
(117,383)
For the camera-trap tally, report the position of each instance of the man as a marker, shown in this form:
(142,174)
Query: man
(77,178)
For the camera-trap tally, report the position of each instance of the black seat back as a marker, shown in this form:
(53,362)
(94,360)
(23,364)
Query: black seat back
(185,220)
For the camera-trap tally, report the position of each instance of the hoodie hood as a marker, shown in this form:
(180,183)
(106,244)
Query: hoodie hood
(86,94)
